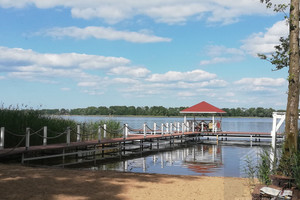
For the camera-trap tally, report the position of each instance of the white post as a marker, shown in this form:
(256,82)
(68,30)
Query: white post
(273,134)
(99,133)
(202,126)
(178,127)
(162,129)
(193,127)
(213,124)
(45,136)
(104,132)
(126,130)
(2,138)
(182,128)
(144,129)
(68,135)
(188,126)
(27,138)
(171,128)
(167,128)
(78,133)
(154,128)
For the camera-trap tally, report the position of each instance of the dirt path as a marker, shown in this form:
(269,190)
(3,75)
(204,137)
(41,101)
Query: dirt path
(19,182)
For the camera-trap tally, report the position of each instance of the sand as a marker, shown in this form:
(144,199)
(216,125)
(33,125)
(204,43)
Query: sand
(19,182)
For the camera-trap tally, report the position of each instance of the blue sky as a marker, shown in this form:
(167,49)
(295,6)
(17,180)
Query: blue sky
(74,53)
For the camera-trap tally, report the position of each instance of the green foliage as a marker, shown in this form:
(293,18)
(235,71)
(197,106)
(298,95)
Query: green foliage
(156,111)
(16,121)
(296,169)
(113,128)
(281,56)
(261,170)
(264,167)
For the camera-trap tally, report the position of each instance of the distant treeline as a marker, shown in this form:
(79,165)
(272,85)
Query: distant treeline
(155,111)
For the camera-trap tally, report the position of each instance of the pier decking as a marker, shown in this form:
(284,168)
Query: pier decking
(133,143)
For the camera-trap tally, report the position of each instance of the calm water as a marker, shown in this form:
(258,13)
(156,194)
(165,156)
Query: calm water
(200,159)
(228,124)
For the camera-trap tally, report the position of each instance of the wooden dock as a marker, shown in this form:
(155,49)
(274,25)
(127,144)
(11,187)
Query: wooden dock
(118,147)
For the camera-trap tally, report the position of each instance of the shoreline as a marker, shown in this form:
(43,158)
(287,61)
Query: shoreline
(22,182)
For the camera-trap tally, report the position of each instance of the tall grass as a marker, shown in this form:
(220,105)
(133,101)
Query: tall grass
(113,128)
(16,121)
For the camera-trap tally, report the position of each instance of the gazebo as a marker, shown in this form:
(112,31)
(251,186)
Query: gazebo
(205,108)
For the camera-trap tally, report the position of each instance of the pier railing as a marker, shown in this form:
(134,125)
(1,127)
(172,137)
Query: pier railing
(99,134)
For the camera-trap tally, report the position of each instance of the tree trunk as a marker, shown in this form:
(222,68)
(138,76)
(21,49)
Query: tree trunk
(291,123)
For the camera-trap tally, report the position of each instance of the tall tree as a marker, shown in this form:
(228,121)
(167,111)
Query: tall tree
(287,54)
(291,121)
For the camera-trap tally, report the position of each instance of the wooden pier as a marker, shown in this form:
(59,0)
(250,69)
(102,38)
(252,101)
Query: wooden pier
(135,143)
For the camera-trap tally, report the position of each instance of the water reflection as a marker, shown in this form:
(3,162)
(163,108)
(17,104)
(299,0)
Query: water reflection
(201,159)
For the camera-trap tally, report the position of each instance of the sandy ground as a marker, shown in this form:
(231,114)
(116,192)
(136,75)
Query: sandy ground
(19,182)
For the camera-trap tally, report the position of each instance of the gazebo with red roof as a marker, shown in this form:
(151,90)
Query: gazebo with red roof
(201,108)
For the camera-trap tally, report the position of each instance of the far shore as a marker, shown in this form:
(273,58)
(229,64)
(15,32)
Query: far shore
(20,182)
(155,116)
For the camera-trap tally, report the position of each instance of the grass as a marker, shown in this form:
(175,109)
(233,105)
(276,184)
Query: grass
(16,121)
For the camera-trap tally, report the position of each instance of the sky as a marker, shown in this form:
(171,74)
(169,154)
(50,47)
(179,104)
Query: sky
(171,53)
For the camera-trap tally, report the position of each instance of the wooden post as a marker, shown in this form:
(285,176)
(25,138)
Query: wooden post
(2,138)
(154,128)
(78,133)
(27,138)
(99,134)
(104,131)
(68,135)
(45,136)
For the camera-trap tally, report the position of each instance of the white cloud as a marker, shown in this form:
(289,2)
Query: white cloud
(87,84)
(168,11)
(136,72)
(264,86)
(17,57)
(186,94)
(229,94)
(125,80)
(265,42)
(270,82)
(65,89)
(190,76)
(222,54)
(103,33)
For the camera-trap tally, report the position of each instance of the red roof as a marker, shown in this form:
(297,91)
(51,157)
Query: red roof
(202,107)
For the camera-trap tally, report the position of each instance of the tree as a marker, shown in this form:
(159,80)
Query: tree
(289,54)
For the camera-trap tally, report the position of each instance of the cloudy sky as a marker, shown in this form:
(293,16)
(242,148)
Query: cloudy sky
(74,53)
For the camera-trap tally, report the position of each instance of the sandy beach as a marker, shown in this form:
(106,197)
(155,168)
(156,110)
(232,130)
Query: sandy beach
(19,182)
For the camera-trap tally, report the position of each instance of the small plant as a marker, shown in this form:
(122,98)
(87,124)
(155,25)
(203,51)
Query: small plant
(264,167)
(250,171)
(296,169)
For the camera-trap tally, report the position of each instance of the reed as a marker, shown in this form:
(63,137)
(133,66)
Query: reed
(113,128)
(16,121)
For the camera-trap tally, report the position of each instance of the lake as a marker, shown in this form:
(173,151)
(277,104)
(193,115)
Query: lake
(198,159)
